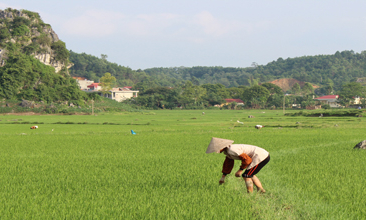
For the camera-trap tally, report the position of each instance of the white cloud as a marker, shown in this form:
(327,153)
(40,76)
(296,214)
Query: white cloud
(150,25)
(93,24)
(196,28)
(211,25)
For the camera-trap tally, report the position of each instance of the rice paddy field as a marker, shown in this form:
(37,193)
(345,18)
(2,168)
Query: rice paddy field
(92,167)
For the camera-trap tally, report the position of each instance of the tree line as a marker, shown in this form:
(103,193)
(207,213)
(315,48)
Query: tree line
(266,95)
(329,72)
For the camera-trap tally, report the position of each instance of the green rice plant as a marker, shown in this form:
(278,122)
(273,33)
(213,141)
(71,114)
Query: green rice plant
(85,171)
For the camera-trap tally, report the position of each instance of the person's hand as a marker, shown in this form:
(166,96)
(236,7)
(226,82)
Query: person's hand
(238,173)
(222,180)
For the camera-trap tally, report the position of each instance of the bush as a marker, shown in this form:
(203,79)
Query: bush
(44,40)
(62,54)
(21,30)
(4,33)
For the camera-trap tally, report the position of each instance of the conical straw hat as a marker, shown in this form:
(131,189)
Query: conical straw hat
(218,144)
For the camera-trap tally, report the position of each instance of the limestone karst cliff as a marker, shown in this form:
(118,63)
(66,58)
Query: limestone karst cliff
(34,37)
(34,61)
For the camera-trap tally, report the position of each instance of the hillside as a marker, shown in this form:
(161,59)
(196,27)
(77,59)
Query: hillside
(33,60)
(321,70)
(286,84)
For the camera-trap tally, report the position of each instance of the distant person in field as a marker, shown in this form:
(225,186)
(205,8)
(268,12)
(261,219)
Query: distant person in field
(253,159)
(259,126)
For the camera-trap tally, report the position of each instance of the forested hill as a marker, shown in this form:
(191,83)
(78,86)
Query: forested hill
(335,70)
(322,70)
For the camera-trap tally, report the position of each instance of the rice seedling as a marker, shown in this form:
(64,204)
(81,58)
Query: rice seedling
(66,169)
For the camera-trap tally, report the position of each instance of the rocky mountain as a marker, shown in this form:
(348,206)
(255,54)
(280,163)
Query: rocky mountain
(34,62)
(35,38)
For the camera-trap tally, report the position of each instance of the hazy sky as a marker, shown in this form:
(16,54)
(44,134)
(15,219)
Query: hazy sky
(231,33)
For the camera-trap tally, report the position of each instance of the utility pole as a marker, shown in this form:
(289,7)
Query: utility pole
(92,106)
(284,95)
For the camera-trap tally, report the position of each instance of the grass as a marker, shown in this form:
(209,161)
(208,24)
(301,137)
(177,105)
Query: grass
(93,167)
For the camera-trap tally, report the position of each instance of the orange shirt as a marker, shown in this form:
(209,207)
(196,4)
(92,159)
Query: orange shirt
(249,155)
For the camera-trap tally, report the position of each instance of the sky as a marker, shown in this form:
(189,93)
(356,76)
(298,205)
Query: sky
(143,34)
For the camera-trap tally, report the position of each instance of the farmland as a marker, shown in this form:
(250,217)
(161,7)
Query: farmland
(92,167)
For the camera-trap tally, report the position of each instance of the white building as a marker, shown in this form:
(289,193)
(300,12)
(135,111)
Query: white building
(83,82)
(118,94)
(331,100)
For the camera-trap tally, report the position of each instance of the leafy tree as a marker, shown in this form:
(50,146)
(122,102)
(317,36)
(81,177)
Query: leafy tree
(104,57)
(275,100)
(256,95)
(350,91)
(191,94)
(235,92)
(296,89)
(62,53)
(272,88)
(107,82)
(307,89)
(216,93)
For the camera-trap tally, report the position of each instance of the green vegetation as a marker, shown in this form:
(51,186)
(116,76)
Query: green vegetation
(328,113)
(101,105)
(107,82)
(323,70)
(332,73)
(24,77)
(88,167)
(62,53)
(93,68)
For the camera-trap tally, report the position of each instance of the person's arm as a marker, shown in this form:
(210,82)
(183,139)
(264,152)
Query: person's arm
(245,161)
(226,169)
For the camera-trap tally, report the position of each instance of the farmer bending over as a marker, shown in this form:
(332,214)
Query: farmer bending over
(253,159)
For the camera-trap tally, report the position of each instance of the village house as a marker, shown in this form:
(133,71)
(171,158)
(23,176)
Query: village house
(118,94)
(331,100)
(83,82)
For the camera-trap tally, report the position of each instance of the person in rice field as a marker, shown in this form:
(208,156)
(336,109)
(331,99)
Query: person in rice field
(253,159)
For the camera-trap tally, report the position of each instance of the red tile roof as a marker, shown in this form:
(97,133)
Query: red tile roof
(93,85)
(328,97)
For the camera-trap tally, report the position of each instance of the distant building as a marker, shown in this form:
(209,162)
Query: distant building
(331,100)
(357,100)
(94,87)
(118,94)
(121,94)
(83,82)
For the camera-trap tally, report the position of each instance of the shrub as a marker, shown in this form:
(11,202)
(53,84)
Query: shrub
(44,40)
(21,30)
(4,33)
(62,54)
